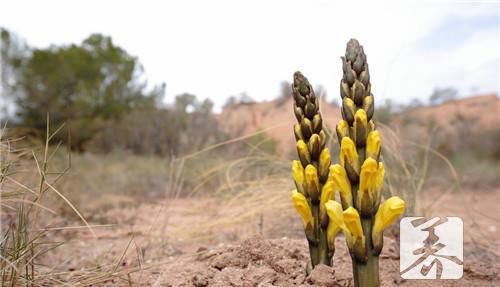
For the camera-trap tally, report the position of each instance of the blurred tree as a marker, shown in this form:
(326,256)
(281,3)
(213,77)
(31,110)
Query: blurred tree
(441,96)
(82,85)
(13,53)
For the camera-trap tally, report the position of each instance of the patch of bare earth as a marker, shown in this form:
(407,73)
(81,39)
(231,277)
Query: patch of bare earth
(208,242)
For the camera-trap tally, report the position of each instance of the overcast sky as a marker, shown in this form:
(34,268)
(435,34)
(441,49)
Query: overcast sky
(216,49)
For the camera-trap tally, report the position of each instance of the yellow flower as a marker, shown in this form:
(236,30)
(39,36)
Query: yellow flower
(370,182)
(303,152)
(353,222)
(339,176)
(297,132)
(373,143)
(303,208)
(334,211)
(349,154)
(360,127)
(314,146)
(342,130)
(348,110)
(327,193)
(324,164)
(387,213)
(311,181)
(298,175)
(355,237)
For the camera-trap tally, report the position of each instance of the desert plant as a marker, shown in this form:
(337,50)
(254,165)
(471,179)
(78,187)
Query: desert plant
(358,178)
(310,173)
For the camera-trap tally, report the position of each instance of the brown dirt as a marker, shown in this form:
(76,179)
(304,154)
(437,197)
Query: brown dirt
(173,243)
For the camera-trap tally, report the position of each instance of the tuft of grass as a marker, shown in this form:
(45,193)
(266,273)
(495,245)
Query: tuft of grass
(26,178)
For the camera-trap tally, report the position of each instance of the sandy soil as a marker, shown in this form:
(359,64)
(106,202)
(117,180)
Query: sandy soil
(199,242)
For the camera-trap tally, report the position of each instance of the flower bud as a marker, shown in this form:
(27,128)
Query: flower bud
(388,212)
(310,109)
(300,101)
(298,176)
(304,156)
(364,77)
(358,93)
(345,92)
(314,146)
(297,132)
(342,130)
(348,110)
(360,128)
(322,137)
(324,164)
(373,143)
(303,208)
(338,175)
(317,123)
(368,106)
(371,126)
(306,128)
(349,158)
(299,114)
(349,75)
(311,182)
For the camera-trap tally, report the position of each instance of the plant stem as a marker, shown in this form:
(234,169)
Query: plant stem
(318,248)
(366,273)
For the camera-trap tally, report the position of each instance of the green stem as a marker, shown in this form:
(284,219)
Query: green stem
(318,247)
(366,273)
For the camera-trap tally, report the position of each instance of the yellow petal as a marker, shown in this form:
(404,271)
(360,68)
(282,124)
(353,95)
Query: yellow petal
(373,144)
(360,118)
(360,127)
(334,211)
(387,213)
(349,154)
(367,186)
(331,232)
(353,222)
(338,175)
(303,208)
(311,181)
(342,129)
(324,164)
(380,176)
(303,152)
(298,175)
(327,193)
